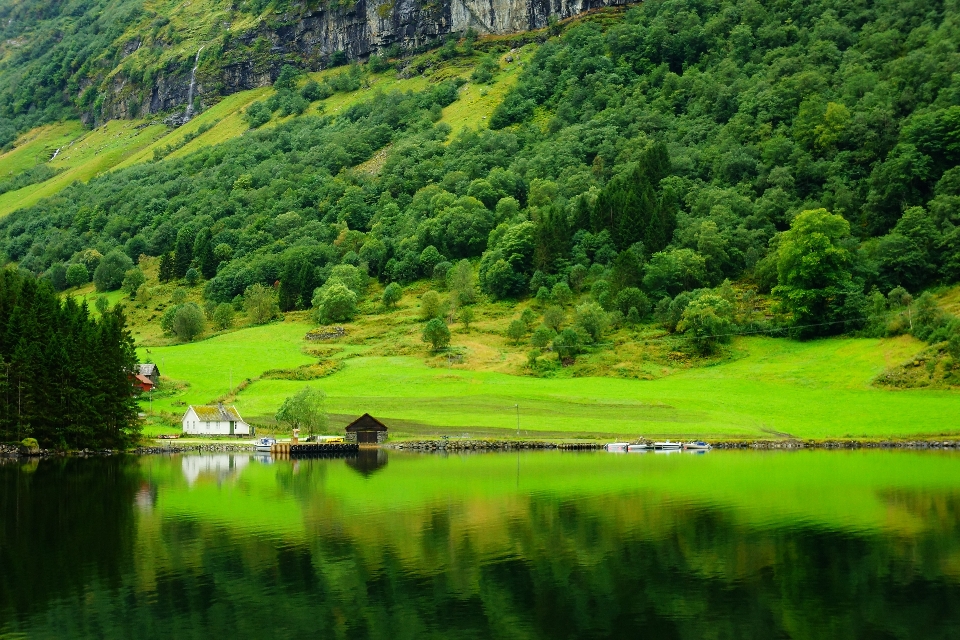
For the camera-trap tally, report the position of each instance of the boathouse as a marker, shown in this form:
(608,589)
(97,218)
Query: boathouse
(366,430)
(214,420)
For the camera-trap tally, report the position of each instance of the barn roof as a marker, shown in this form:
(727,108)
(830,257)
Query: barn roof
(216,413)
(146,368)
(144,379)
(366,422)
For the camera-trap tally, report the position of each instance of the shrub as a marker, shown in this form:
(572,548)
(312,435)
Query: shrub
(392,295)
(631,297)
(132,281)
(111,270)
(261,303)
(192,277)
(77,275)
(567,344)
(436,333)
(223,316)
(553,317)
(188,322)
(257,115)
(466,317)
(542,336)
(334,303)
(516,330)
(179,295)
(707,322)
(592,319)
(429,305)
(561,293)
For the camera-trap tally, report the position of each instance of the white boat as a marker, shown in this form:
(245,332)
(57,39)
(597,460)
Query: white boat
(699,445)
(264,444)
(639,447)
(617,446)
(667,446)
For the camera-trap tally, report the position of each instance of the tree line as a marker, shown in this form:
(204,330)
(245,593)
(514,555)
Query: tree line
(65,375)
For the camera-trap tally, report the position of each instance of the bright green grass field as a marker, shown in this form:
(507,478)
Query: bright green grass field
(818,389)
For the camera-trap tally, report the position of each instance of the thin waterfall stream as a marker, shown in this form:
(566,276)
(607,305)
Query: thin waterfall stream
(193,82)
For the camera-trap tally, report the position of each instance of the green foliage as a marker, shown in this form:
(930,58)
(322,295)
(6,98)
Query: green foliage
(111,271)
(305,410)
(223,316)
(258,114)
(813,269)
(466,316)
(632,298)
(132,281)
(554,317)
(436,333)
(567,344)
(77,275)
(391,295)
(67,381)
(707,321)
(516,330)
(287,78)
(260,303)
(592,320)
(188,322)
(430,305)
(334,302)
(179,296)
(192,277)
(542,336)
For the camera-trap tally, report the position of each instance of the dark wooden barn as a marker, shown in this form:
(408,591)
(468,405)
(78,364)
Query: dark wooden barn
(366,430)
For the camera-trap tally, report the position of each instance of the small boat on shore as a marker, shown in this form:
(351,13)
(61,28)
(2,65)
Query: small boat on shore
(699,445)
(639,447)
(263,445)
(619,447)
(667,446)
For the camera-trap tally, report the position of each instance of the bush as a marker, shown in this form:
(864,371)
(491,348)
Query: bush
(429,305)
(466,317)
(542,336)
(631,297)
(313,91)
(188,322)
(111,270)
(592,319)
(287,79)
(707,321)
(553,317)
(436,333)
(516,330)
(77,275)
(179,296)
(261,304)
(567,344)
(223,316)
(562,294)
(334,303)
(257,115)
(192,277)
(132,281)
(392,295)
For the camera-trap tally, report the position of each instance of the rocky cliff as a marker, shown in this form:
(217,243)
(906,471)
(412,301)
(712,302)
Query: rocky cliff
(332,33)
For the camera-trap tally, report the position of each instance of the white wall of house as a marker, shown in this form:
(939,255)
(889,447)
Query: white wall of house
(192,425)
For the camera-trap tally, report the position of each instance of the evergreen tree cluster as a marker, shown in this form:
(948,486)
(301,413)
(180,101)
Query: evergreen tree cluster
(65,376)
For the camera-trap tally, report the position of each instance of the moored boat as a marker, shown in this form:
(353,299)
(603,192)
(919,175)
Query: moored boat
(667,446)
(264,444)
(639,447)
(699,445)
(619,447)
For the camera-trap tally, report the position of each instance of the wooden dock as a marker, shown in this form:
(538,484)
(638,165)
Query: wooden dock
(312,449)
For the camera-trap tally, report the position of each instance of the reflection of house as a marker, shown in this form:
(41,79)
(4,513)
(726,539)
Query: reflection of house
(214,420)
(149,371)
(217,466)
(366,429)
(368,460)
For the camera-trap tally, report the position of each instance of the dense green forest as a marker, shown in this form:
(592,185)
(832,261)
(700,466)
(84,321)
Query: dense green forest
(64,376)
(646,163)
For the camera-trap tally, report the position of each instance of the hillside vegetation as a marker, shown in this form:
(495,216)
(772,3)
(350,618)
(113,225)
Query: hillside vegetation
(687,172)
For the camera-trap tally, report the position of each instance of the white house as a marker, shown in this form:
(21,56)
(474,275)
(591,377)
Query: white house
(214,420)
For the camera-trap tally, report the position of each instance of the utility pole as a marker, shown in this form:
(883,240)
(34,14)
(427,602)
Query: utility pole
(518,419)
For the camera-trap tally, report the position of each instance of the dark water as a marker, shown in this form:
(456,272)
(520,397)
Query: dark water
(538,545)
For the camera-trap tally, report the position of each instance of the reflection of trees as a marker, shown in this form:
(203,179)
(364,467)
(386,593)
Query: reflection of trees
(64,525)
(532,566)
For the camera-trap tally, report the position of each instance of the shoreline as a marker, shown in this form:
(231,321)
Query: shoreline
(8,452)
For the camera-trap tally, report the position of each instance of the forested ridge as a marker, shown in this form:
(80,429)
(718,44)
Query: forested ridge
(807,148)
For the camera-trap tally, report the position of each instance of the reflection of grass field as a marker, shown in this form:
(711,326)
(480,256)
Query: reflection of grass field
(850,490)
(817,389)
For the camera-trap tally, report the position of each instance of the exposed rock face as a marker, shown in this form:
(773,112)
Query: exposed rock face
(317,38)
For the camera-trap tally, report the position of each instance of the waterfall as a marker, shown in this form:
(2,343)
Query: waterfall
(193,82)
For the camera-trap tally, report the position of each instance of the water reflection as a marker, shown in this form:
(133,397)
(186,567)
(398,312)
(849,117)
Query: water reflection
(536,545)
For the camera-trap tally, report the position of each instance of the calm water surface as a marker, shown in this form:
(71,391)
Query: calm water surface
(535,545)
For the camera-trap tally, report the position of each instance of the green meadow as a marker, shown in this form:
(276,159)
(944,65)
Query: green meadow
(769,388)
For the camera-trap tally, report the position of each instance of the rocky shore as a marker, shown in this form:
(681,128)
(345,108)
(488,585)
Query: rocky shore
(837,444)
(491,445)
(196,448)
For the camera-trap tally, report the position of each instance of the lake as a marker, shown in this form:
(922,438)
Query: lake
(807,544)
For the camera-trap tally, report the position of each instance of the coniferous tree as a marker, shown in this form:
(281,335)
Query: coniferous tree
(203,253)
(166,268)
(183,254)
